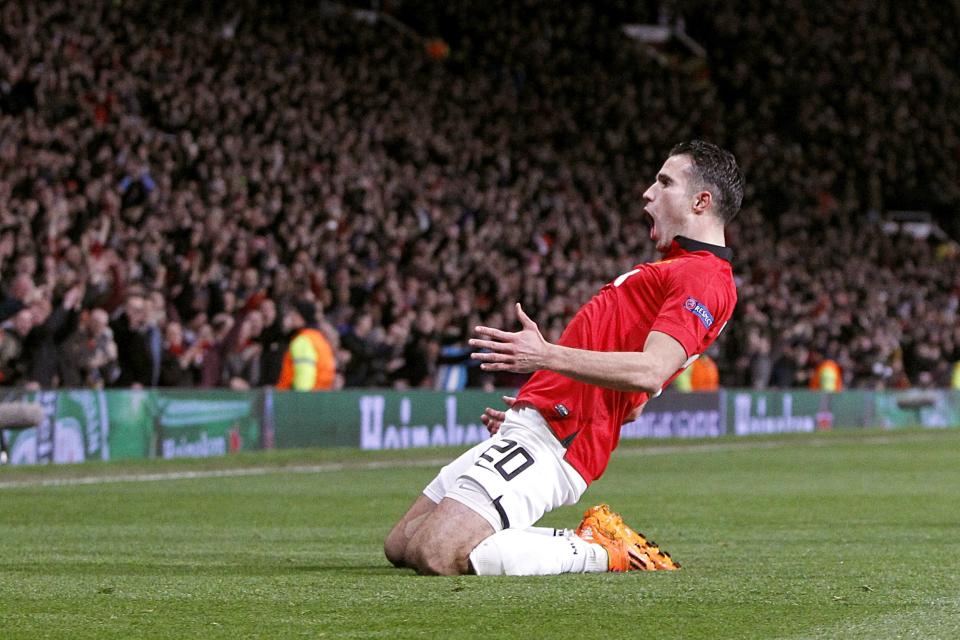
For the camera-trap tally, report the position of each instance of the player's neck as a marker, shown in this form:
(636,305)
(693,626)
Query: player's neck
(709,234)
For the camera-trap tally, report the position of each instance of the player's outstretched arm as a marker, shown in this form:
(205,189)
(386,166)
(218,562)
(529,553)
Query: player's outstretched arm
(527,350)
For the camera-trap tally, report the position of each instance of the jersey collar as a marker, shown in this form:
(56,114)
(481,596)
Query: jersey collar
(688,244)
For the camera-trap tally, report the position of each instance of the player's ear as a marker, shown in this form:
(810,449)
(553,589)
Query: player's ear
(702,201)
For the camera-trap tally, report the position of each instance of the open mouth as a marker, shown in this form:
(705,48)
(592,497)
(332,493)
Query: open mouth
(651,224)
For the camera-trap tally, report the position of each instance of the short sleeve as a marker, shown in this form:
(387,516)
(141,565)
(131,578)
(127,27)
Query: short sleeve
(691,309)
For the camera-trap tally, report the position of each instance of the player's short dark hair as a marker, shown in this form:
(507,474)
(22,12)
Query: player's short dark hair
(717,171)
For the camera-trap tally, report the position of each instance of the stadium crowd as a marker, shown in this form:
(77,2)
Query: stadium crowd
(174,184)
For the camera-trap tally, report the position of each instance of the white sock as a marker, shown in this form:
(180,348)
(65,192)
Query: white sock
(549,531)
(515,552)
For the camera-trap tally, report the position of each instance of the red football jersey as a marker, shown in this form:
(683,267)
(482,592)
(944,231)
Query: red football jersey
(689,295)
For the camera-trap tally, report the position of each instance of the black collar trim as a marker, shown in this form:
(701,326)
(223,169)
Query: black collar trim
(687,244)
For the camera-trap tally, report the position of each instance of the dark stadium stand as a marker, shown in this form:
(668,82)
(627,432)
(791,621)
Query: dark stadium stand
(172,181)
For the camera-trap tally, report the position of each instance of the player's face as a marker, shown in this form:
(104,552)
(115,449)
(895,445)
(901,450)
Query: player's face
(669,201)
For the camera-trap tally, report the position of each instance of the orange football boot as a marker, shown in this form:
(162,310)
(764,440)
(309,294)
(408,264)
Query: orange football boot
(619,558)
(643,554)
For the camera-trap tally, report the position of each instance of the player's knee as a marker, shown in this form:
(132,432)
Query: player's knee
(395,548)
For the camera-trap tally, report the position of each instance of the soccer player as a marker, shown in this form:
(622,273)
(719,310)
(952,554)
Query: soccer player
(620,349)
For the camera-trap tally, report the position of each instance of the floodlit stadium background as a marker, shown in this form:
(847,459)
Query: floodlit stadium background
(418,170)
(413,168)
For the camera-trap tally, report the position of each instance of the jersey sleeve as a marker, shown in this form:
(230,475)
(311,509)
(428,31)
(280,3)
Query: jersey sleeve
(693,310)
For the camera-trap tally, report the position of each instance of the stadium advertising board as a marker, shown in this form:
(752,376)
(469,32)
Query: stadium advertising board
(376,420)
(318,419)
(917,408)
(399,421)
(214,423)
(74,428)
(678,415)
(766,412)
(84,425)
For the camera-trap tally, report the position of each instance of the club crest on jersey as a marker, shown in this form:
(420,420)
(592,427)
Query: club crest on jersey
(700,310)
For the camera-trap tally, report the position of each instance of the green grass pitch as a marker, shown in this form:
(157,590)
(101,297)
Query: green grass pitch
(851,535)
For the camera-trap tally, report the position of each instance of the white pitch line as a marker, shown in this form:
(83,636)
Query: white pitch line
(215,473)
(706,447)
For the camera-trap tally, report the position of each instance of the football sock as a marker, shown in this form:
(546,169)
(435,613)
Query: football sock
(515,552)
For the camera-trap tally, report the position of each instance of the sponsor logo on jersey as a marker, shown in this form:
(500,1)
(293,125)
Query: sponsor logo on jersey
(700,310)
(561,410)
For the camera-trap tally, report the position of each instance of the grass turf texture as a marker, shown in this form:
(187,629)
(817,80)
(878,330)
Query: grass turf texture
(815,536)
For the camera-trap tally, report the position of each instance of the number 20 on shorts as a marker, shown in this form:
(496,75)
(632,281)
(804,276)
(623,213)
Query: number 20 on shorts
(506,458)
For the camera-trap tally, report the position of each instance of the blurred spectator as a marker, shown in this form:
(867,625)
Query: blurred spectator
(309,364)
(179,362)
(699,376)
(761,365)
(13,365)
(419,354)
(241,365)
(132,334)
(783,374)
(273,343)
(704,375)
(369,354)
(683,383)
(90,356)
(52,326)
(453,362)
(224,329)
(15,298)
(826,375)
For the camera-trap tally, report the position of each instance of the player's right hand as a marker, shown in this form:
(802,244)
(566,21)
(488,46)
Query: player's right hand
(493,418)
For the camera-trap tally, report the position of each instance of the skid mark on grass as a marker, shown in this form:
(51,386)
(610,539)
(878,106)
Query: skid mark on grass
(628,451)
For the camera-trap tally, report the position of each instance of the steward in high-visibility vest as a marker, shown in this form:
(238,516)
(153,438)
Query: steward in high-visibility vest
(704,376)
(309,363)
(701,375)
(827,377)
(683,382)
(955,378)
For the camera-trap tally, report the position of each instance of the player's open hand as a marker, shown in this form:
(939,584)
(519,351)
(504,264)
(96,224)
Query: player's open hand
(493,418)
(521,351)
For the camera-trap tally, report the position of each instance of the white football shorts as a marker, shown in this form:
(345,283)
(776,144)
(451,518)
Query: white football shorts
(513,478)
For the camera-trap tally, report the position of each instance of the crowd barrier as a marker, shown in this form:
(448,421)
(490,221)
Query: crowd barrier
(158,423)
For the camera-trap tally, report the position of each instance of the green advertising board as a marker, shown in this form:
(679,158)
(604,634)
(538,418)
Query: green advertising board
(74,428)
(917,408)
(763,412)
(131,427)
(88,424)
(375,419)
(214,423)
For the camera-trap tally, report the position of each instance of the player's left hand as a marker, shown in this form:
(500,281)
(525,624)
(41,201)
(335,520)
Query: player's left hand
(493,418)
(521,351)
